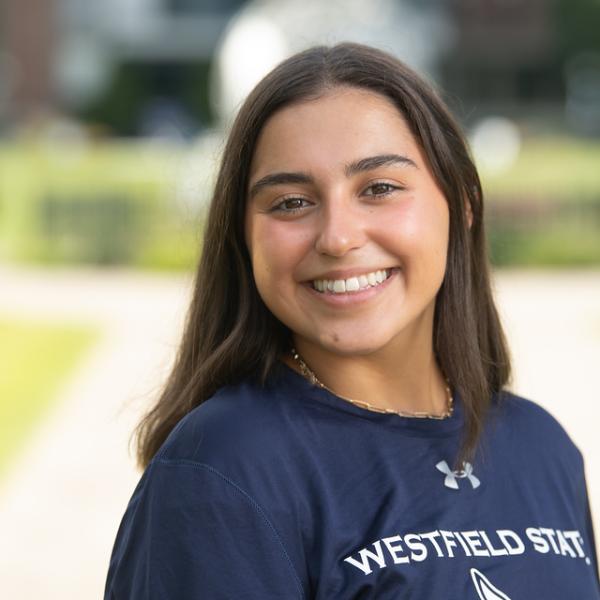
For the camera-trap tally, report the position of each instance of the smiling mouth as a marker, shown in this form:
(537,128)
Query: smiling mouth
(352,284)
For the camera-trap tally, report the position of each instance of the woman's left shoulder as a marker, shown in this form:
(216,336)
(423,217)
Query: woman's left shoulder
(529,420)
(241,424)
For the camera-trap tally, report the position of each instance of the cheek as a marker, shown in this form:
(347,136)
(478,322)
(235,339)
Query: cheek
(276,248)
(418,229)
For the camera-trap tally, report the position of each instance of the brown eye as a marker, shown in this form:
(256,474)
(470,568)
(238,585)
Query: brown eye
(381,188)
(290,205)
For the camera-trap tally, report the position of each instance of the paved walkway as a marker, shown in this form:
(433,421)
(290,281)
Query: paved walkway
(62,501)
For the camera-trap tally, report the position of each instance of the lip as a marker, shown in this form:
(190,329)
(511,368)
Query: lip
(347,273)
(351,298)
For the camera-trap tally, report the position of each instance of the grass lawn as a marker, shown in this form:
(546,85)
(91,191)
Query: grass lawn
(550,168)
(135,203)
(35,360)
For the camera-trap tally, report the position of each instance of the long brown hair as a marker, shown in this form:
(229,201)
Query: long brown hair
(230,333)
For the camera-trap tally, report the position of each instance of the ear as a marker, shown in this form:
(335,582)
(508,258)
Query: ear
(468,212)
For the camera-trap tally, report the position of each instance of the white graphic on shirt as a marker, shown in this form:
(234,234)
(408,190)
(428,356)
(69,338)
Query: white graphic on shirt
(451,476)
(412,548)
(485,589)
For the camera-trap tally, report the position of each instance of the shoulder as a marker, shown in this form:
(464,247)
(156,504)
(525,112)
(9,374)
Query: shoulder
(239,423)
(243,439)
(525,422)
(527,413)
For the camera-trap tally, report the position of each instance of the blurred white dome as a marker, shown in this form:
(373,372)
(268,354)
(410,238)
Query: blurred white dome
(265,32)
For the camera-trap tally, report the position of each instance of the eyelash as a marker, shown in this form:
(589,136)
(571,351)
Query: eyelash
(278,207)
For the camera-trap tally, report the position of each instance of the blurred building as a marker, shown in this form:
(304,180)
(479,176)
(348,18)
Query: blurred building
(133,65)
(124,63)
(504,58)
(28,38)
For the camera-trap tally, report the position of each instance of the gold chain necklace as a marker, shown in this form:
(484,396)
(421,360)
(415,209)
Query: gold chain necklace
(310,375)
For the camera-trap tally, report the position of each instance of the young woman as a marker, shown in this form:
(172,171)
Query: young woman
(336,423)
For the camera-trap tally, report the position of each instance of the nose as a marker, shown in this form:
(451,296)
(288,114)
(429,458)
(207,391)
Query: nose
(340,229)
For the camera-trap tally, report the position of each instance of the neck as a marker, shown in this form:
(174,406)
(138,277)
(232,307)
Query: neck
(407,381)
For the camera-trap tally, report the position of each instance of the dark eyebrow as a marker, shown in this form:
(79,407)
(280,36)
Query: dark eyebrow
(364,164)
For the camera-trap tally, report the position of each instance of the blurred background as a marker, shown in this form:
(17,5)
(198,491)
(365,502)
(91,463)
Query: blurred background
(112,119)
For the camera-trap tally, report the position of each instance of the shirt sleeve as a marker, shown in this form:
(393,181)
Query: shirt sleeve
(190,532)
(590,530)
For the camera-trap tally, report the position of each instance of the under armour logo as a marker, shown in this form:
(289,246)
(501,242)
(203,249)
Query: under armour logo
(451,476)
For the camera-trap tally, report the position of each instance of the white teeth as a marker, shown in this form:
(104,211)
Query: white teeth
(339,286)
(353,284)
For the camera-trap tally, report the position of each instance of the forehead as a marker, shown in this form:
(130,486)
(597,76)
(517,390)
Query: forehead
(332,130)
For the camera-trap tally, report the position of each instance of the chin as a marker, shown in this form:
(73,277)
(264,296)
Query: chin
(351,344)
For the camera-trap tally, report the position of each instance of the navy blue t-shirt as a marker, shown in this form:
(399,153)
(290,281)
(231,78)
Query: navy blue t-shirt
(289,492)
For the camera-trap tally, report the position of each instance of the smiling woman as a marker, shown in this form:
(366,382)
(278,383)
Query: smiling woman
(337,423)
(365,204)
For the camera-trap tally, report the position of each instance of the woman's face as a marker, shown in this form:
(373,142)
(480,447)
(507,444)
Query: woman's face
(346,228)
